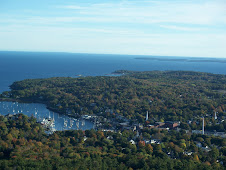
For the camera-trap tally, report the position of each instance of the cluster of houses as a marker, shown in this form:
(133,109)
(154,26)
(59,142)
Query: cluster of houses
(165,125)
(158,125)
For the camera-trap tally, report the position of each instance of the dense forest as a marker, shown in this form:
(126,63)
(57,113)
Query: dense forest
(24,145)
(167,95)
(181,96)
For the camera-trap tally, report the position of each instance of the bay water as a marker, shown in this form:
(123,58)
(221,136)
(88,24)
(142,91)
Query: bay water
(15,66)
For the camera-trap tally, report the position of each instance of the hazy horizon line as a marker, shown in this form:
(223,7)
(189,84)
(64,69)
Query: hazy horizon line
(146,55)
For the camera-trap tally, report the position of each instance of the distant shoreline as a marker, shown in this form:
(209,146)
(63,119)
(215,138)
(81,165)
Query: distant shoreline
(182,59)
(112,54)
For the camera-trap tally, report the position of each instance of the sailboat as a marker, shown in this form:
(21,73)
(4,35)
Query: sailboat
(77,124)
(36,113)
(83,122)
(65,123)
(71,123)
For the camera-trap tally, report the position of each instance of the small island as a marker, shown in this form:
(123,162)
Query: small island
(183,59)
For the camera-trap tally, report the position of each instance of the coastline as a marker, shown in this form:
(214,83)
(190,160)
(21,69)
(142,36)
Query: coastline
(183,59)
(38,102)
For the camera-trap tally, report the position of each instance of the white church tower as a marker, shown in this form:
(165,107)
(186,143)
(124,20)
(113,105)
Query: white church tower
(203,126)
(147,116)
(215,116)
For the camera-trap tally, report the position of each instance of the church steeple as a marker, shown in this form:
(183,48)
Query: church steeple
(203,126)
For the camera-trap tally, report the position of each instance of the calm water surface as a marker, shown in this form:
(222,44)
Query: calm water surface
(40,111)
(15,66)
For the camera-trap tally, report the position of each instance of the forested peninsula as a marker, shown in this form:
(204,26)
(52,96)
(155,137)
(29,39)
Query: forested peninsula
(167,95)
(150,120)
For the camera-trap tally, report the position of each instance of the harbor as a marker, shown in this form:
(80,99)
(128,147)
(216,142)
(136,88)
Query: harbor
(51,121)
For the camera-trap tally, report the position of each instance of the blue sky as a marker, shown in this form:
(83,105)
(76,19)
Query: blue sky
(160,27)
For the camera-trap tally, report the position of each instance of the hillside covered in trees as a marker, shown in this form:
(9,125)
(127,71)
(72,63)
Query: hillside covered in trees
(167,95)
(24,145)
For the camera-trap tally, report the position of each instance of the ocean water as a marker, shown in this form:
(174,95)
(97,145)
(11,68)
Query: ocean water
(16,66)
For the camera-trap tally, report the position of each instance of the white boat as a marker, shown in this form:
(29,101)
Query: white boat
(48,123)
(65,123)
(71,123)
(77,124)
(83,122)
